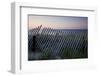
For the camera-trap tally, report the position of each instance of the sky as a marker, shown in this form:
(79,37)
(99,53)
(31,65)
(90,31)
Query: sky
(57,22)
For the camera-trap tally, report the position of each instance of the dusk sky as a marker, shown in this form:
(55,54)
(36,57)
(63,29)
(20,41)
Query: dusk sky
(58,22)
